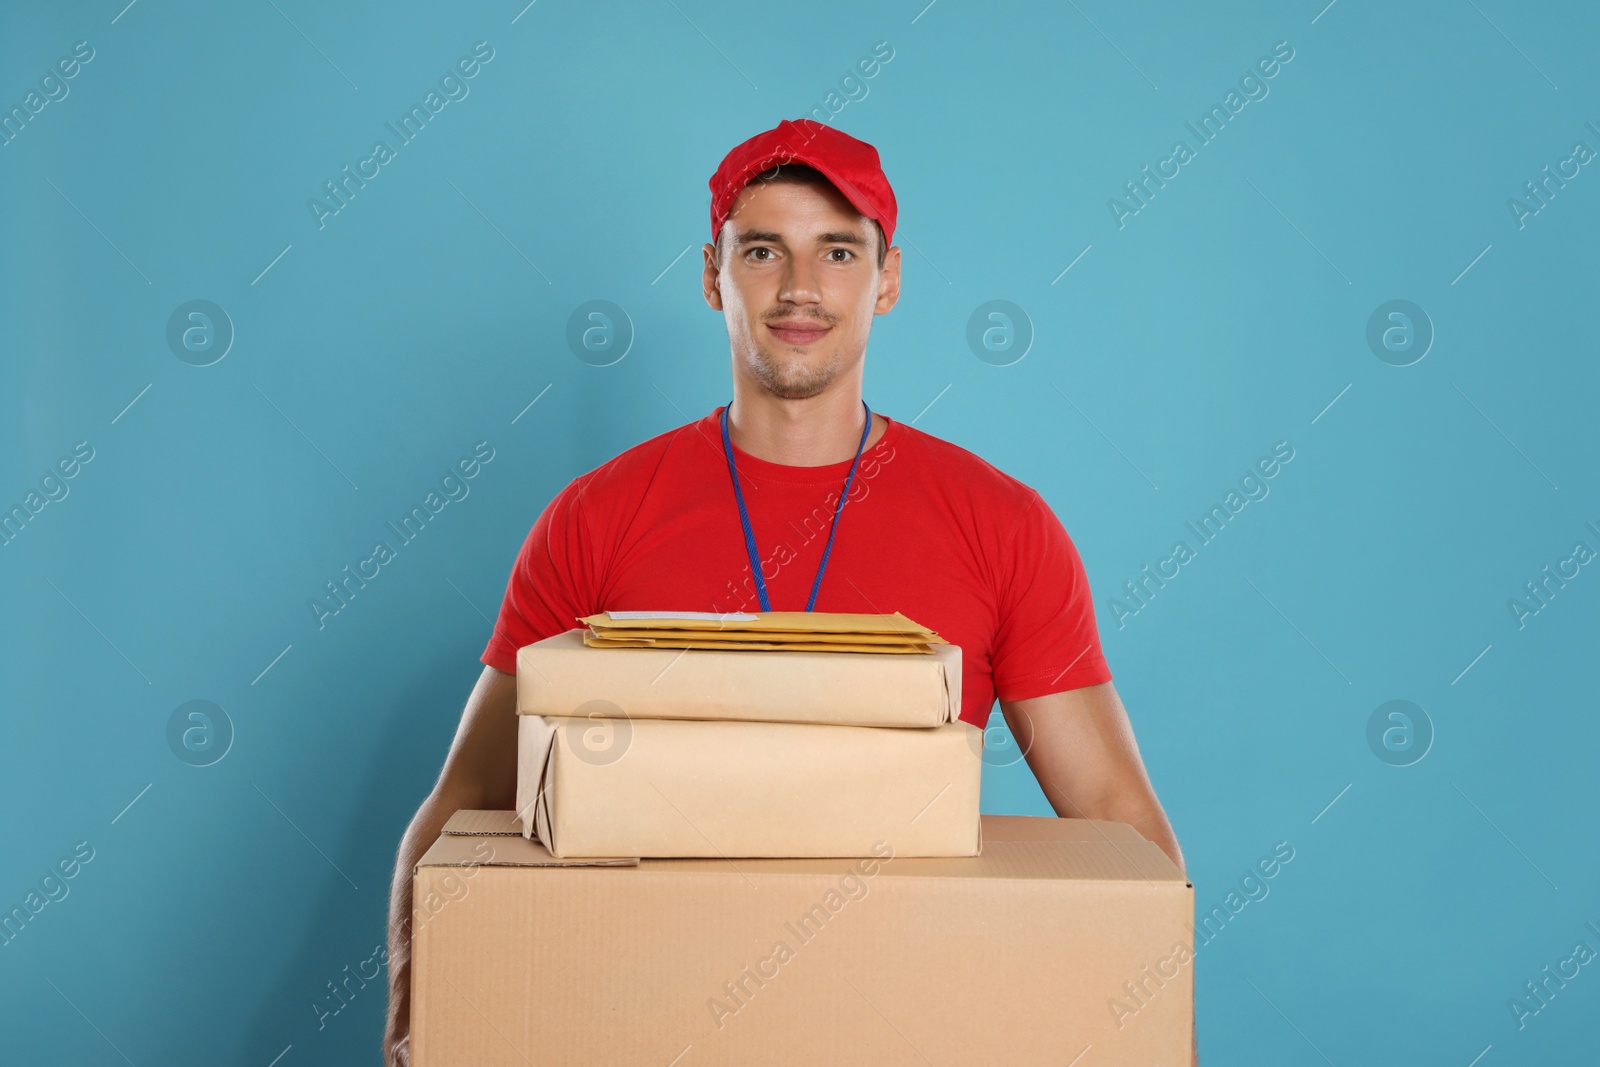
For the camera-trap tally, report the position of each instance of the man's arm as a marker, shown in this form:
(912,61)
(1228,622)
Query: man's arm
(1080,746)
(479,772)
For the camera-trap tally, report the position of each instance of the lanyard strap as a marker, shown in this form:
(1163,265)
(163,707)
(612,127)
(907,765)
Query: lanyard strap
(744,515)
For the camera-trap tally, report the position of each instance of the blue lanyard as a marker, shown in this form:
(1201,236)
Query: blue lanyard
(744,515)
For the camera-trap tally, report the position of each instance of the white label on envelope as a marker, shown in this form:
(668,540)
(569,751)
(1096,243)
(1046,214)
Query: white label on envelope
(712,616)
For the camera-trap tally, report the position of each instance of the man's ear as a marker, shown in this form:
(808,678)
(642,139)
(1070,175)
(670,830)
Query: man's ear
(709,277)
(888,282)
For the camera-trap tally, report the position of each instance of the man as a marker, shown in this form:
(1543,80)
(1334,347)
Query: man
(821,503)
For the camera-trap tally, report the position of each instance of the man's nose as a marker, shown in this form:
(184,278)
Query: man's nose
(799,285)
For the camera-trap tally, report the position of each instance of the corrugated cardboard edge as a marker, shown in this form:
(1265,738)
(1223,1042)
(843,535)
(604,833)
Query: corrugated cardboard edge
(500,846)
(482,823)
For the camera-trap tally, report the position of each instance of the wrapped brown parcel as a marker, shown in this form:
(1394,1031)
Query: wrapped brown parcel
(640,787)
(774,734)
(564,676)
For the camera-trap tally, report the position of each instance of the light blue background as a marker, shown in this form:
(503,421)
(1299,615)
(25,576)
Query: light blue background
(1227,315)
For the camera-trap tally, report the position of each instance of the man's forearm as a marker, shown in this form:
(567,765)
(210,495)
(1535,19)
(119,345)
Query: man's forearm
(423,832)
(1151,822)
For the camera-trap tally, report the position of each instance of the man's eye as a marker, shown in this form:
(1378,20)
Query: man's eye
(758,249)
(845,251)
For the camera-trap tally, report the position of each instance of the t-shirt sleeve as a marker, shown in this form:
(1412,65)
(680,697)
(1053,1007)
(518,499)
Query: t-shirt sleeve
(1047,640)
(551,584)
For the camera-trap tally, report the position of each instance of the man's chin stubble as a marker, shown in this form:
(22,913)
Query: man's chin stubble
(787,381)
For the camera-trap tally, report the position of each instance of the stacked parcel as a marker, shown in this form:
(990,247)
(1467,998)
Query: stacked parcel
(777,734)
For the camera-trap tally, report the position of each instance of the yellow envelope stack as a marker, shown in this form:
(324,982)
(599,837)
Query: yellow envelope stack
(774,735)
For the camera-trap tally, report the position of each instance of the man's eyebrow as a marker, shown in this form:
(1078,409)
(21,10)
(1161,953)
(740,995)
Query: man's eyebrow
(846,237)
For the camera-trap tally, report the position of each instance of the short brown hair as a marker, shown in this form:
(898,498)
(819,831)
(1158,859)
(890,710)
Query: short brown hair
(798,174)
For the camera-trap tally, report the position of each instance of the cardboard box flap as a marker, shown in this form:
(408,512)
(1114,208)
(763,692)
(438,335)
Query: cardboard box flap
(454,849)
(1015,847)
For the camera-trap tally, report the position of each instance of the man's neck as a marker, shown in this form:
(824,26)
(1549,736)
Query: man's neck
(812,432)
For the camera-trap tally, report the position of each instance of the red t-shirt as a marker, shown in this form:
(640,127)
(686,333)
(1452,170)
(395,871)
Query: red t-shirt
(929,530)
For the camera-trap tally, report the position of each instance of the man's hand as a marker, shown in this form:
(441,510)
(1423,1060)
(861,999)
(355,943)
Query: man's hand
(479,772)
(1080,746)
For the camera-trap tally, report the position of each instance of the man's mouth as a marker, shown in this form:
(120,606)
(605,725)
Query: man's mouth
(795,332)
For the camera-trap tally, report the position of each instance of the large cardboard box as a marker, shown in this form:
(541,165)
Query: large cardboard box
(561,675)
(687,788)
(1067,942)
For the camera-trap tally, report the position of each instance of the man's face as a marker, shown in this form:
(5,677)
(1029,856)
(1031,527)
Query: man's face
(799,285)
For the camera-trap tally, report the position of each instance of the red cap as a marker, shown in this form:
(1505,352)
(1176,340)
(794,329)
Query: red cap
(851,165)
